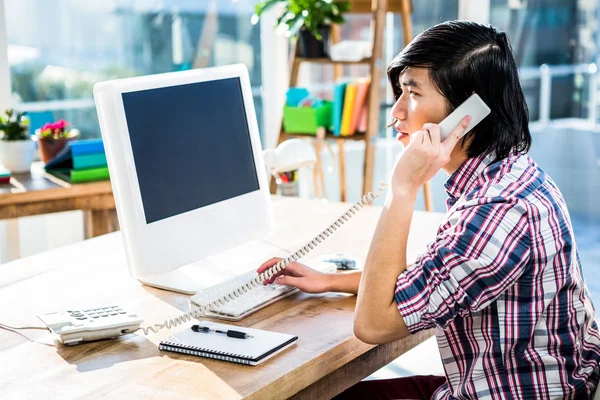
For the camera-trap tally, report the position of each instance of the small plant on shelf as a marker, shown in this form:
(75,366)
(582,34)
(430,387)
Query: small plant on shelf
(57,130)
(14,126)
(53,137)
(16,146)
(309,20)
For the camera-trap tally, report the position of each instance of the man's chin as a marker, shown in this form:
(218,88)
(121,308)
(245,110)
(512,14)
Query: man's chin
(405,140)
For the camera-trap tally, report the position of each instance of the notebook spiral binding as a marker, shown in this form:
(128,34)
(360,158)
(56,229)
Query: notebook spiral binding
(281,265)
(187,346)
(201,352)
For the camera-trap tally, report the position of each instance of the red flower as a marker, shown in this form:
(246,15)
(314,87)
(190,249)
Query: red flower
(61,124)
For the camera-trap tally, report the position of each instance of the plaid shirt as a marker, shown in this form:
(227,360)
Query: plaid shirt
(503,287)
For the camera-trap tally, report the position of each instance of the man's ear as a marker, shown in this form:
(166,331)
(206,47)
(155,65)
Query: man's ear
(465,141)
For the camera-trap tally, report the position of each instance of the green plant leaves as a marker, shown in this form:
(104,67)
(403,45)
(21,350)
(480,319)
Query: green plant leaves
(266,5)
(13,126)
(311,14)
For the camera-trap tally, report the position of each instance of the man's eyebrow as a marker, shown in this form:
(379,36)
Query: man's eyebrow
(411,82)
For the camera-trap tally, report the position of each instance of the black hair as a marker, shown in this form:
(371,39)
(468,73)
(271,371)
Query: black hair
(465,57)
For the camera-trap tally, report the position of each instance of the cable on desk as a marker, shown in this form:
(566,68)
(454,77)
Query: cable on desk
(14,330)
(18,328)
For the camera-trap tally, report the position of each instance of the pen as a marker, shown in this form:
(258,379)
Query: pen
(229,332)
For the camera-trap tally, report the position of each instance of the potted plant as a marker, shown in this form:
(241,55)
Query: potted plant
(53,137)
(308,20)
(16,146)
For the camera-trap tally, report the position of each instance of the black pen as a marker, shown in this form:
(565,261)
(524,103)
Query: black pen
(229,332)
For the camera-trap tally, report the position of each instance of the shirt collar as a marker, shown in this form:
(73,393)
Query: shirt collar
(462,180)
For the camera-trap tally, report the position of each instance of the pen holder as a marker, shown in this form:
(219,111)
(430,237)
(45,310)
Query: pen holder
(289,188)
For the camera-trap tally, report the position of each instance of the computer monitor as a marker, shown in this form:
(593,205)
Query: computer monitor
(186,167)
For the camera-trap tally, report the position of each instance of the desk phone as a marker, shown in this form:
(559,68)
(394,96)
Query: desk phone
(76,326)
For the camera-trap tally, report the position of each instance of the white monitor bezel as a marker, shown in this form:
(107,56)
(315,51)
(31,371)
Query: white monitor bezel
(164,245)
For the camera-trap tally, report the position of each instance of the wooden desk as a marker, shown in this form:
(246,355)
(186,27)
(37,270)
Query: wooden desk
(38,193)
(326,359)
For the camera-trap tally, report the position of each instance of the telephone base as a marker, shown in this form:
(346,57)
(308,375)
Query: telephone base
(210,271)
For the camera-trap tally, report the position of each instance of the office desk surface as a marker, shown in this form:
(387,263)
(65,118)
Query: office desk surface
(326,359)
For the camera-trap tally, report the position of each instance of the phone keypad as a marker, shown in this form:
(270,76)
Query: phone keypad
(91,314)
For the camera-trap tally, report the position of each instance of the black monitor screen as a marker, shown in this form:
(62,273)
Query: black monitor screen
(191,146)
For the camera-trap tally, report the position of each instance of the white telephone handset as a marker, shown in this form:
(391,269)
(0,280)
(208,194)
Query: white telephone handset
(473,106)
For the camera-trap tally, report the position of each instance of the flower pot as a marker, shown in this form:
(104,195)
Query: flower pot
(49,148)
(311,47)
(17,155)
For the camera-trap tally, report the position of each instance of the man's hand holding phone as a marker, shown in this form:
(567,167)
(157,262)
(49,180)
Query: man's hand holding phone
(424,156)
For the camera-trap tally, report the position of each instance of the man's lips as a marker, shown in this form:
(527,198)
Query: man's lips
(400,135)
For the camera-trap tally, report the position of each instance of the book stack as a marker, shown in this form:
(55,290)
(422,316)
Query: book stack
(4,175)
(80,161)
(350,106)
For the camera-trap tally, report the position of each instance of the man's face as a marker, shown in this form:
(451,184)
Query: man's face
(419,103)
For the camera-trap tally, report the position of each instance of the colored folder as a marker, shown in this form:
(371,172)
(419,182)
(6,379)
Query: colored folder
(338,106)
(362,123)
(87,146)
(80,154)
(80,161)
(359,104)
(82,175)
(349,99)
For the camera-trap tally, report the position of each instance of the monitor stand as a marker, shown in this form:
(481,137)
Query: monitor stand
(215,269)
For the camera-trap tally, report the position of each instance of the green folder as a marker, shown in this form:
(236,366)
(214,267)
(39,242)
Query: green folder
(81,175)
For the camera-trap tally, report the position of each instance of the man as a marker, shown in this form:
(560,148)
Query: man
(501,283)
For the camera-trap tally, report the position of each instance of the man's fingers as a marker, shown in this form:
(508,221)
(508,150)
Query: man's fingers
(418,136)
(427,136)
(268,264)
(293,269)
(265,266)
(434,133)
(287,280)
(456,134)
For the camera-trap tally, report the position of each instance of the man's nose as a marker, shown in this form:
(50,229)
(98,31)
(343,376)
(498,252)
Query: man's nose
(399,110)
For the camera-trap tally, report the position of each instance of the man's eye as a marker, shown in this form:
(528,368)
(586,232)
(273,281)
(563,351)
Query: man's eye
(410,92)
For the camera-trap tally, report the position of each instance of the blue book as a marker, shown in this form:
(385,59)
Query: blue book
(87,146)
(78,155)
(339,91)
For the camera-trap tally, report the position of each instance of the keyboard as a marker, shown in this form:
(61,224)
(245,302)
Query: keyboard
(252,301)
(75,326)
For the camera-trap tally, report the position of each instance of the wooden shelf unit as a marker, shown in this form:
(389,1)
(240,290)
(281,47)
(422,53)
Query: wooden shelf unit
(378,10)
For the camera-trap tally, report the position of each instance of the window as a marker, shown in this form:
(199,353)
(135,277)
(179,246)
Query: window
(562,104)
(67,46)
(571,27)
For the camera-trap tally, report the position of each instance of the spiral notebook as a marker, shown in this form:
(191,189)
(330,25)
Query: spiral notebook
(252,351)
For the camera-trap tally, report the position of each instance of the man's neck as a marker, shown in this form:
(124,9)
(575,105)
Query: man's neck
(457,158)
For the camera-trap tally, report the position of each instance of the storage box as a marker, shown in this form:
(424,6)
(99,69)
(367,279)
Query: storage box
(307,119)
